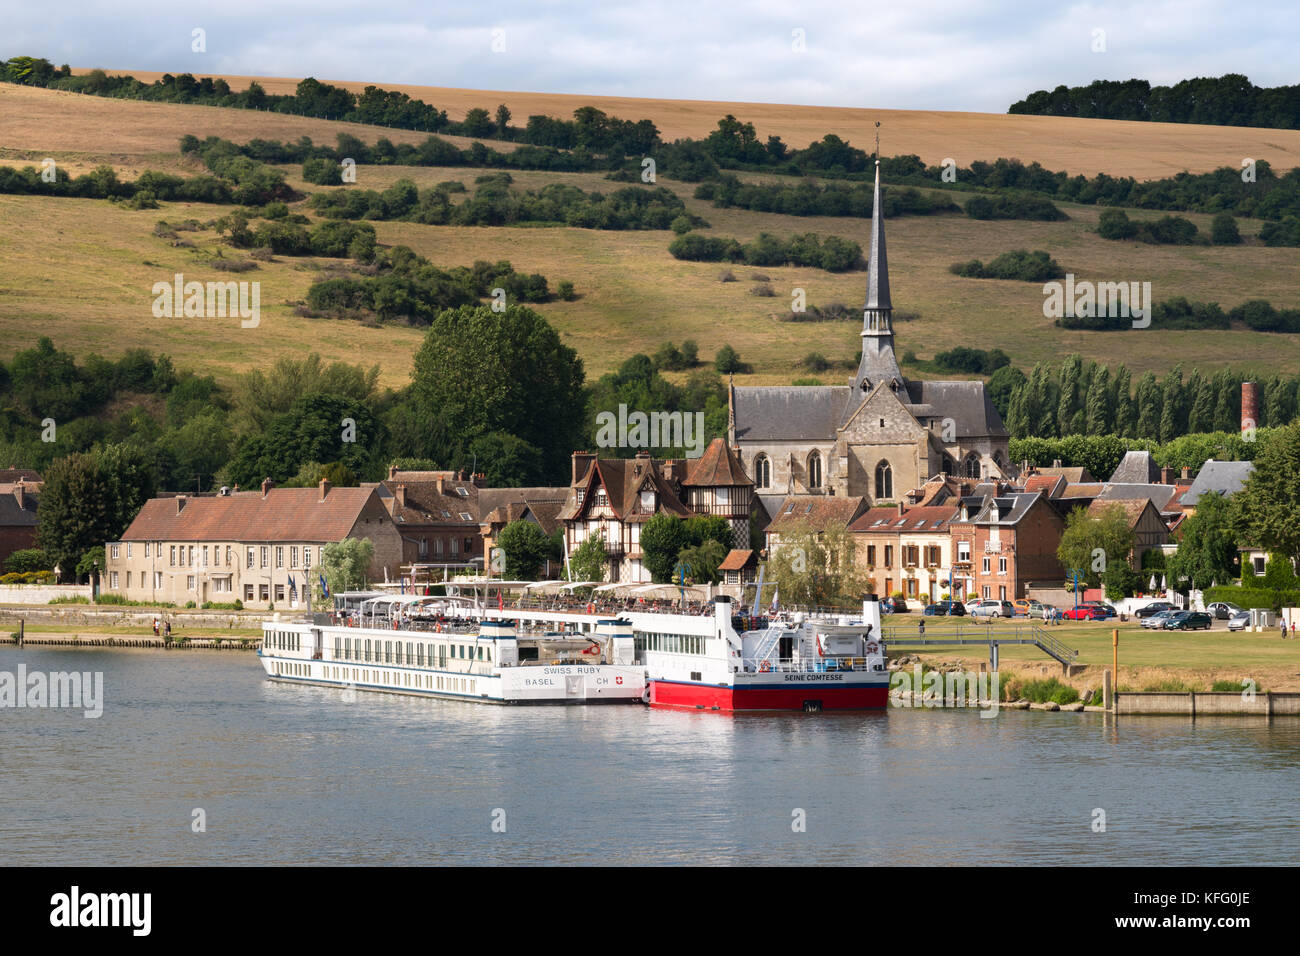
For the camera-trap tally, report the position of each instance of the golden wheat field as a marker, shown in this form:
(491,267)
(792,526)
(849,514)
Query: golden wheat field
(81,271)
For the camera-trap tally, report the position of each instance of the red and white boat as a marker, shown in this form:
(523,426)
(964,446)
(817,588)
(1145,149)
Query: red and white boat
(802,663)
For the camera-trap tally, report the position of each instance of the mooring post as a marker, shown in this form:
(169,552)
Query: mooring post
(993,656)
(1107,692)
(21,631)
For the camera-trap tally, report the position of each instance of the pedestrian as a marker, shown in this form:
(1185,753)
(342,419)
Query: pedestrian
(155,627)
(167,630)
(920,627)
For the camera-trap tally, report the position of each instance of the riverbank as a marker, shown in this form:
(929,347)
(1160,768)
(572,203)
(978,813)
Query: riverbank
(140,636)
(1149,661)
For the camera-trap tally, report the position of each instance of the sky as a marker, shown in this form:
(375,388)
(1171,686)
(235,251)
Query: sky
(969,55)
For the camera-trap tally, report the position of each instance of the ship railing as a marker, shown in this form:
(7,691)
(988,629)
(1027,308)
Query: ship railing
(804,665)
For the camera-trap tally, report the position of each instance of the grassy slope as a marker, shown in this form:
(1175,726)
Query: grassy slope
(81,270)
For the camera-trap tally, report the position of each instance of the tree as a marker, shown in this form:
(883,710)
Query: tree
(317,428)
(727,360)
(1264,511)
(589,560)
(506,461)
(1207,550)
(526,547)
(1002,384)
(1091,544)
(703,560)
(90,498)
(813,567)
(481,371)
(1223,230)
(346,564)
(27,560)
(662,539)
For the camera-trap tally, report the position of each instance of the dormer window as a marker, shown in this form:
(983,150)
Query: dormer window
(648,502)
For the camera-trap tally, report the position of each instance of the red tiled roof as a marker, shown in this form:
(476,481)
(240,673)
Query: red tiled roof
(284,514)
(716,467)
(736,560)
(1050,485)
(818,510)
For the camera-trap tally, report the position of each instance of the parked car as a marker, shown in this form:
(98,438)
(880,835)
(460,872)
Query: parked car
(897,605)
(1157,620)
(1223,610)
(1084,612)
(1027,607)
(945,609)
(1239,621)
(993,609)
(1155,607)
(1104,611)
(1188,621)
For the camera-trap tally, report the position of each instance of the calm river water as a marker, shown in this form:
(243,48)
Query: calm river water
(298,775)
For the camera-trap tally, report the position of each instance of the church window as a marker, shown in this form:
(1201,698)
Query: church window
(971,467)
(884,481)
(762,471)
(815,470)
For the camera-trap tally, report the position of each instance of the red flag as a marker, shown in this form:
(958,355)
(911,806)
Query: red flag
(501,601)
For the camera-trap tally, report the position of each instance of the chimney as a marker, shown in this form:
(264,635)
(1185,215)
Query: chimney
(392,472)
(581,459)
(1187,473)
(180,503)
(399,492)
(267,485)
(480,480)
(1249,406)
(324,488)
(18,494)
(901,509)
(1056,463)
(438,482)
(1166,475)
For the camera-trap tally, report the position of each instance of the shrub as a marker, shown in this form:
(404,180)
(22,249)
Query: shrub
(728,360)
(1223,230)
(1014,206)
(762,290)
(565,291)
(726,275)
(1019,264)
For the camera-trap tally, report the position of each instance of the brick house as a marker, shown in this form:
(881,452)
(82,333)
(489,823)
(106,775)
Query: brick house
(907,549)
(18,503)
(1004,540)
(260,547)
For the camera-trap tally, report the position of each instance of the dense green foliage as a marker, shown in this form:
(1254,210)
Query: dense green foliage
(1228,100)
(1037,266)
(809,249)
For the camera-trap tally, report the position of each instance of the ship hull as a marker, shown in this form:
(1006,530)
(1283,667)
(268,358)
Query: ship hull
(802,695)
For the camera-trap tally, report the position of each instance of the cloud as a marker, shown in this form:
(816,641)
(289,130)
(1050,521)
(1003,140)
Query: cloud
(927,54)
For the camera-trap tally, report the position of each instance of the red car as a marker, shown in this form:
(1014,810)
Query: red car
(1084,612)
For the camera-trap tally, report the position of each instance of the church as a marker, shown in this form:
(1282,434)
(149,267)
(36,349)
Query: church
(877,437)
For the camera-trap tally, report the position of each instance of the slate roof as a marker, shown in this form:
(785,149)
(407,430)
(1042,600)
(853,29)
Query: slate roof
(966,403)
(789,412)
(1225,477)
(426,505)
(284,514)
(8,475)
(1160,495)
(1073,475)
(622,479)
(13,516)
(934,518)
(1136,467)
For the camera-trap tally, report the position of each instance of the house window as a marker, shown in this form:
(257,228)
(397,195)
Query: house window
(205,555)
(762,471)
(266,555)
(113,550)
(455,547)
(871,555)
(971,466)
(189,582)
(293,556)
(146,549)
(306,557)
(264,592)
(986,592)
(424,547)
(889,555)
(171,555)
(128,550)
(986,566)
(1258,561)
(279,556)
(469,545)
(884,480)
(221,585)
(963,551)
(157,580)
(279,592)
(248,592)
(648,502)
(815,470)
(1002,565)
(230,556)
(112,580)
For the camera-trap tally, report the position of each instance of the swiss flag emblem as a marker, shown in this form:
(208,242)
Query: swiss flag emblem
(618,680)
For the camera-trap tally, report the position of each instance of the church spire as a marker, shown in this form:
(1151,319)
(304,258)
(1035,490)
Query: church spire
(878,361)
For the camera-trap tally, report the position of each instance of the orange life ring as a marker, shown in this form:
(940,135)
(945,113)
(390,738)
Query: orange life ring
(591,609)
(765,667)
(872,648)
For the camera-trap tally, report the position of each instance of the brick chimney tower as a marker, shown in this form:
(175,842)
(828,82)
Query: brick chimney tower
(1249,406)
